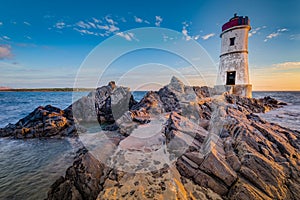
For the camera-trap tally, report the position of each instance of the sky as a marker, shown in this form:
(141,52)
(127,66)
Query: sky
(47,43)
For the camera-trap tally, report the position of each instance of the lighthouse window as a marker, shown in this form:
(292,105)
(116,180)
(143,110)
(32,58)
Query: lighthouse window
(232,41)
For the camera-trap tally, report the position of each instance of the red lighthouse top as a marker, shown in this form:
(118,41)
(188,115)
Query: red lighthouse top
(236,21)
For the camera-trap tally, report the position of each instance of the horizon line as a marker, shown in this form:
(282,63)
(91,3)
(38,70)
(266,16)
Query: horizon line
(69,89)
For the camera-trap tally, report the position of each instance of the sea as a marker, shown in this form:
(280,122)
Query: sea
(29,167)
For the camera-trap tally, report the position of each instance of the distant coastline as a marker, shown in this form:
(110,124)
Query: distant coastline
(46,89)
(90,89)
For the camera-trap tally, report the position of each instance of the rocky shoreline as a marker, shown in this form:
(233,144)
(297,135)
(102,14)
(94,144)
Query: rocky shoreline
(216,147)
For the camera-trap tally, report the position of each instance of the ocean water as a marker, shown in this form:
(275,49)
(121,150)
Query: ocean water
(16,105)
(29,167)
(287,116)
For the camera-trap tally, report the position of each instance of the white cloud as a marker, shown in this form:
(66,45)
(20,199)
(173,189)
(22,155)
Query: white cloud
(92,24)
(158,20)
(96,20)
(137,19)
(256,30)
(196,37)
(85,32)
(104,27)
(184,31)
(186,24)
(60,25)
(272,35)
(295,37)
(127,36)
(206,37)
(113,28)
(110,20)
(6,37)
(282,30)
(5,52)
(275,34)
(97,27)
(84,25)
(286,66)
(27,23)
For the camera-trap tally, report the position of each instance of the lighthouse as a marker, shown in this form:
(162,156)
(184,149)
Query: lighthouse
(233,68)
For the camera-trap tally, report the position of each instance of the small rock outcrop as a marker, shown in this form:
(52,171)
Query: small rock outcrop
(45,122)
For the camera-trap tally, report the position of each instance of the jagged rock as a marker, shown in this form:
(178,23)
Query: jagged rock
(203,92)
(151,103)
(243,190)
(185,169)
(254,105)
(183,135)
(205,180)
(180,98)
(82,180)
(196,157)
(169,100)
(83,110)
(141,116)
(215,164)
(184,125)
(264,154)
(112,102)
(266,175)
(176,84)
(230,155)
(45,121)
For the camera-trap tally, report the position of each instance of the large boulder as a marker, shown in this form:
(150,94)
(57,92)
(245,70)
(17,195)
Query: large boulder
(83,110)
(111,102)
(105,105)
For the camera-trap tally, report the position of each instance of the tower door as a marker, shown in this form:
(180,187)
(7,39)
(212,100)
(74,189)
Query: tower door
(230,80)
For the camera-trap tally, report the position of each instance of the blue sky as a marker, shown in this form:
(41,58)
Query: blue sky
(43,43)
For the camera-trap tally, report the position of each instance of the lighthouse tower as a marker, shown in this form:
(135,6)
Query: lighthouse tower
(233,68)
